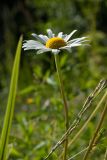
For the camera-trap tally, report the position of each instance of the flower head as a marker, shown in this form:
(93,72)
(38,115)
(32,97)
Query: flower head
(53,43)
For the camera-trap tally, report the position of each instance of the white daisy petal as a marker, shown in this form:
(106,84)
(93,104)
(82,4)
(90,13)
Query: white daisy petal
(76,40)
(25,49)
(64,35)
(43,50)
(69,36)
(75,45)
(81,42)
(50,33)
(33,47)
(31,44)
(45,38)
(60,34)
(34,43)
(68,48)
(38,38)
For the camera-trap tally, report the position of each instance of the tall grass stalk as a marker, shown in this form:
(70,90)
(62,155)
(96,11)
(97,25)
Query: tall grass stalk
(96,132)
(105,156)
(89,118)
(78,153)
(10,104)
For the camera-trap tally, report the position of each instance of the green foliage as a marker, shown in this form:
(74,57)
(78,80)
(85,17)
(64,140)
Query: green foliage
(10,105)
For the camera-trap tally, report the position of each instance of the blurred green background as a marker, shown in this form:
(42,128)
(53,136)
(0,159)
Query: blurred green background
(39,119)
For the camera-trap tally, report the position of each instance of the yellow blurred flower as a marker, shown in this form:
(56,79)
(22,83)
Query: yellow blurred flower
(29,100)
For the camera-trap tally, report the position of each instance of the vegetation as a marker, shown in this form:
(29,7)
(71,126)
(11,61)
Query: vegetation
(38,121)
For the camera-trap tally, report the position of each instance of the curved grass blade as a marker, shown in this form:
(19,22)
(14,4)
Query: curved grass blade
(10,103)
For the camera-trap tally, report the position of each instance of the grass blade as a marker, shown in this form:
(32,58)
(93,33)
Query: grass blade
(10,103)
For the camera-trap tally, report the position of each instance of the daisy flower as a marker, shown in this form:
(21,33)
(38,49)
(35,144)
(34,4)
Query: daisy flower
(53,43)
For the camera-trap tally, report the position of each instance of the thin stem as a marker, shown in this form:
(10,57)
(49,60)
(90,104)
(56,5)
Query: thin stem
(64,101)
(96,132)
(105,156)
(78,153)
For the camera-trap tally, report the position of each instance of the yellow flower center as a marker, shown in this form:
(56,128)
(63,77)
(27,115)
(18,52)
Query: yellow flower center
(55,43)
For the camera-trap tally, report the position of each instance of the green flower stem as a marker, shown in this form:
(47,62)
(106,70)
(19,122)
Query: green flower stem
(96,132)
(64,101)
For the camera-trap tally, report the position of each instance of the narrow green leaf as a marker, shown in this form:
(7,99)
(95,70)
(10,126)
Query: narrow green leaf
(10,104)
